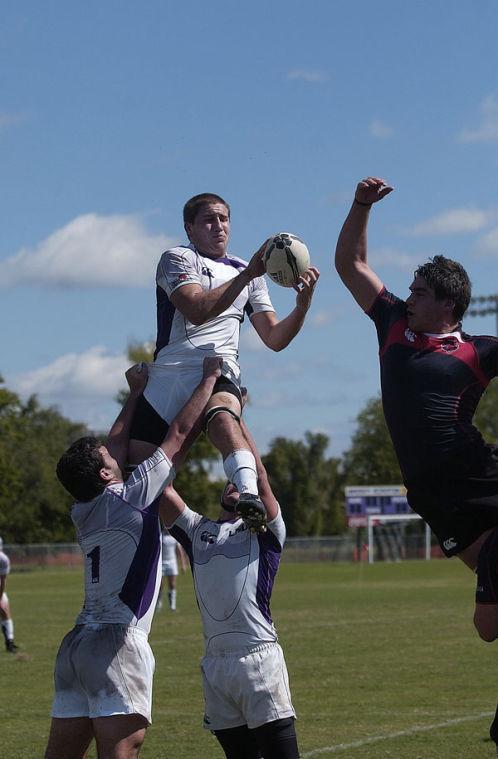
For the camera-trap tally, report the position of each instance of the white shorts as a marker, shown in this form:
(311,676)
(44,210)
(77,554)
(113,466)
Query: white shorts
(170,568)
(246,688)
(103,670)
(169,386)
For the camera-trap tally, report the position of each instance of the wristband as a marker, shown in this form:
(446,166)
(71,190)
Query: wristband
(368,205)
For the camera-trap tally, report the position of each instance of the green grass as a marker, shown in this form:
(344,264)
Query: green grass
(372,651)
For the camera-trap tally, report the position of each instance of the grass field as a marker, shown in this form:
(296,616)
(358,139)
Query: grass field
(383,661)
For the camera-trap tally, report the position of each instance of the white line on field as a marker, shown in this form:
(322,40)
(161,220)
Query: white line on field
(389,736)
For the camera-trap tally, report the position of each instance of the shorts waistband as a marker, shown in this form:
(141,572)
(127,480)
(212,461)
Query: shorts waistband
(128,629)
(245,651)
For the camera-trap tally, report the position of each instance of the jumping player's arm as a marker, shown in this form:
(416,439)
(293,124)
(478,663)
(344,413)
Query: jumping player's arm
(351,251)
(278,334)
(264,487)
(187,424)
(119,434)
(200,306)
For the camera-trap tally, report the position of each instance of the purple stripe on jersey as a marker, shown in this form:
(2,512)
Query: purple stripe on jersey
(270,552)
(165,316)
(224,260)
(140,583)
(181,537)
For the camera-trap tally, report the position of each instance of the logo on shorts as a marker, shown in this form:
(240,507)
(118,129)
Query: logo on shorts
(450,543)
(410,336)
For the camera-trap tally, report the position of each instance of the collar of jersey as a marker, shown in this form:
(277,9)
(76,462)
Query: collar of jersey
(222,259)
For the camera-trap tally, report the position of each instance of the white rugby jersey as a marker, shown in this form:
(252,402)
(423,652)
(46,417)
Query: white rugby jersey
(234,570)
(119,533)
(4,564)
(179,339)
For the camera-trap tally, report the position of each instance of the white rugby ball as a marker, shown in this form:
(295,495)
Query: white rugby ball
(286,257)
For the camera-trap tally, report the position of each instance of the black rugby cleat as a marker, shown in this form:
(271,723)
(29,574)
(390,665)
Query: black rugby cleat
(251,509)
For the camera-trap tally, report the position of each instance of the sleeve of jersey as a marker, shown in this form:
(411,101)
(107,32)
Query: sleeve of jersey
(4,566)
(276,531)
(487,349)
(259,297)
(177,267)
(148,480)
(183,530)
(386,309)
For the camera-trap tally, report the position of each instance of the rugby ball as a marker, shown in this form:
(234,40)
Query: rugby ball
(285,258)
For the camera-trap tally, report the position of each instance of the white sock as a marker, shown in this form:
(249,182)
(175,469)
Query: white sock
(8,626)
(172,599)
(240,468)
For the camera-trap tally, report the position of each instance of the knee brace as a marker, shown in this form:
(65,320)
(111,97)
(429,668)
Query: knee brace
(211,413)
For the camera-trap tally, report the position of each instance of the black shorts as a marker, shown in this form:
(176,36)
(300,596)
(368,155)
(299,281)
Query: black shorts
(458,505)
(487,571)
(149,426)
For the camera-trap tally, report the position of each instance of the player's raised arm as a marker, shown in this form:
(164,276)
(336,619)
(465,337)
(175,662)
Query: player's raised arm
(119,434)
(351,251)
(277,334)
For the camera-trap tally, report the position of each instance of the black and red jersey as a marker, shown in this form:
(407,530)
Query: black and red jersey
(431,385)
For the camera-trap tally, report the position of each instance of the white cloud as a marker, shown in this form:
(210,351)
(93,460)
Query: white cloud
(394,258)
(92,374)
(308,75)
(90,251)
(488,244)
(380,130)
(455,221)
(487,131)
(82,386)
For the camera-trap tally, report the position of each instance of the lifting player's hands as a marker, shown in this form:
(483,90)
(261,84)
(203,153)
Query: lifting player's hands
(136,377)
(305,287)
(255,267)
(371,190)
(211,366)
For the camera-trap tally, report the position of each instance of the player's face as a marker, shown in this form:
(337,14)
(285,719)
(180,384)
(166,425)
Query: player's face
(424,312)
(110,464)
(231,495)
(210,229)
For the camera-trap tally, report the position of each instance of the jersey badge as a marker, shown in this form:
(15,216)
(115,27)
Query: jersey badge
(410,336)
(450,543)
(449,344)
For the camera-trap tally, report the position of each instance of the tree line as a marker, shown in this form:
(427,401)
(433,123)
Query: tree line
(307,482)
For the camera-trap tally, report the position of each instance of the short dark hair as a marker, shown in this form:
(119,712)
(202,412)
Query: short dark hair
(194,205)
(449,280)
(78,469)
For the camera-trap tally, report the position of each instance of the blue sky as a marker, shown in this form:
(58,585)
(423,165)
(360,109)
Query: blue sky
(113,113)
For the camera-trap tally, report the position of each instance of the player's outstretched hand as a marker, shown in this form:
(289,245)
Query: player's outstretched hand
(136,377)
(212,366)
(305,287)
(371,190)
(255,267)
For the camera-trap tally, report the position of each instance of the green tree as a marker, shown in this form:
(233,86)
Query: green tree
(34,508)
(371,459)
(486,416)
(306,484)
